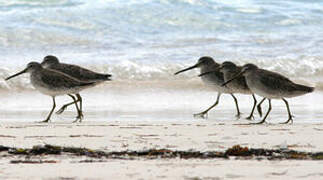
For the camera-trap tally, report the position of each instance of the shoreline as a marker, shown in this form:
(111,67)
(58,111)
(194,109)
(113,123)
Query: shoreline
(115,104)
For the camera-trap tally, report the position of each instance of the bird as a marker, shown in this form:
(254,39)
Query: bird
(271,85)
(214,80)
(52,83)
(239,85)
(77,72)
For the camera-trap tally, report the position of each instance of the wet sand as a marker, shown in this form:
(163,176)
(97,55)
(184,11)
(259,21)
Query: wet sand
(116,120)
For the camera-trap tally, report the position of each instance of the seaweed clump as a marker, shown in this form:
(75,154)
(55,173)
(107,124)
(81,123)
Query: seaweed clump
(237,150)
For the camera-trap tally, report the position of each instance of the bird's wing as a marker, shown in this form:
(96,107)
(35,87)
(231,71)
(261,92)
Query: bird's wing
(60,80)
(82,73)
(275,80)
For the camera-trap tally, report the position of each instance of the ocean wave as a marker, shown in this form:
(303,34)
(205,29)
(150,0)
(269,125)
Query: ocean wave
(307,70)
(250,10)
(56,23)
(35,3)
(287,22)
(149,40)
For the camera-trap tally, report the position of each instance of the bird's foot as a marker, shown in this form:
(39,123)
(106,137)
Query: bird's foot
(238,115)
(257,123)
(61,110)
(250,118)
(79,117)
(202,115)
(290,119)
(45,121)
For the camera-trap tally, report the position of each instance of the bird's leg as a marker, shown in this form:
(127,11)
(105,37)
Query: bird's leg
(237,106)
(204,113)
(269,109)
(259,107)
(253,108)
(290,116)
(51,112)
(80,116)
(63,108)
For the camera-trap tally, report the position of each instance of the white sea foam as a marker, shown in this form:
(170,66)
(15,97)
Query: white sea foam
(250,10)
(307,70)
(289,22)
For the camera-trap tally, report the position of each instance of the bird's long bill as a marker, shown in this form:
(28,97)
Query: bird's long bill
(189,68)
(21,72)
(235,77)
(209,72)
(206,73)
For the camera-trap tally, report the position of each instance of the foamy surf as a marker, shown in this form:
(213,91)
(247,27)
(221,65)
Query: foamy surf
(307,70)
(149,40)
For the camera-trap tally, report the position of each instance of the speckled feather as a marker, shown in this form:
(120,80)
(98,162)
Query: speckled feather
(239,85)
(75,71)
(80,73)
(54,83)
(272,85)
(276,82)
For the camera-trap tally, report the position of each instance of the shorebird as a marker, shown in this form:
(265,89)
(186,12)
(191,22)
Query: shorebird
(239,85)
(52,83)
(215,80)
(77,72)
(271,85)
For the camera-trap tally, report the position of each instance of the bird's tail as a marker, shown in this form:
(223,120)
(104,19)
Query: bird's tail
(103,77)
(88,83)
(107,77)
(305,88)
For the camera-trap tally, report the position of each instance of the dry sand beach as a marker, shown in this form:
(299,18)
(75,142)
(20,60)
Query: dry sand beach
(161,124)
(188,136)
